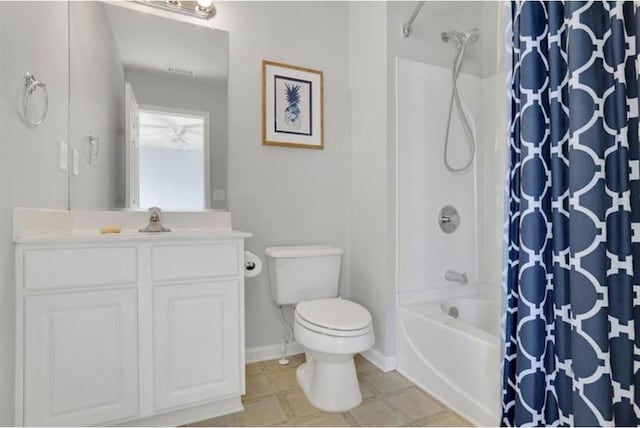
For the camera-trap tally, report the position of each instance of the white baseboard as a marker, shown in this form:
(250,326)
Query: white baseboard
(381,361)
(270,352)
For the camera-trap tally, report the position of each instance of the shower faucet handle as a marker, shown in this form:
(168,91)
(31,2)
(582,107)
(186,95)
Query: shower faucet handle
(448,219)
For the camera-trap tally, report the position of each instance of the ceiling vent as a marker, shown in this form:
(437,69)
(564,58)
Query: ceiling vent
(181,71)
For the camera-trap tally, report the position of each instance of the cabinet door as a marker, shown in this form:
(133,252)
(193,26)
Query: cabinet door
(196,343)
(81,359)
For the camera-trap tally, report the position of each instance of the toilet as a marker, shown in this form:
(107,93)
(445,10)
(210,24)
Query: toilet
(330,329)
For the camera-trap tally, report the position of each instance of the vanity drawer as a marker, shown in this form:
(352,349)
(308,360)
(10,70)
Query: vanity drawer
(50,268)
(194,261)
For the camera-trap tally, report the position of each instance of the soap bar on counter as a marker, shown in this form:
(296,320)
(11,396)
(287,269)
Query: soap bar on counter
(110,229)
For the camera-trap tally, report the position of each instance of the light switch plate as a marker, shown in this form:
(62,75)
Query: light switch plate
(76,162)
(219,195)
(63,156)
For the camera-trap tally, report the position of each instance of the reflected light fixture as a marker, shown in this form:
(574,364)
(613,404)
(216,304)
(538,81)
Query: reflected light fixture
(205,5)
(202,9)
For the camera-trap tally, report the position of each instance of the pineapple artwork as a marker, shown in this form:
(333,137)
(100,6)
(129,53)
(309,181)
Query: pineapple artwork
(292,112)
(292,106)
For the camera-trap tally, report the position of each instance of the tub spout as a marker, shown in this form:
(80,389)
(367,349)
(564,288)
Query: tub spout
(453,276)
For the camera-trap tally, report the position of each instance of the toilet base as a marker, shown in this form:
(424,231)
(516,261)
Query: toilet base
(330,381)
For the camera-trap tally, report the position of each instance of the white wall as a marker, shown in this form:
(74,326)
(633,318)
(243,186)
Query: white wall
(96,106)
(28,168)
(286,195)
(206,95)
(371,283)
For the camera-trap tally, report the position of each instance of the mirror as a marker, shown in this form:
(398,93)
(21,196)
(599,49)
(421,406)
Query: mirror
(148,109)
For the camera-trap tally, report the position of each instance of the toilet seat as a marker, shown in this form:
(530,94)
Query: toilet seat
(334,317)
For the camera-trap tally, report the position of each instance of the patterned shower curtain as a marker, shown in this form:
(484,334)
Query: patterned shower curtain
(572,288)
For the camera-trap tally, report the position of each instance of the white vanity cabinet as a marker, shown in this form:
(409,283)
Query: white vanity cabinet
(80,357)
(132,330)
(195,343)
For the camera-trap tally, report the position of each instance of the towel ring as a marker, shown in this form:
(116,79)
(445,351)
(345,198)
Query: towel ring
(31,85)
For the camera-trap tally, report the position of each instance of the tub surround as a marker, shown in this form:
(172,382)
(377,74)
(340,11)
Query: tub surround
(131,328)
(441,290)
(464,374)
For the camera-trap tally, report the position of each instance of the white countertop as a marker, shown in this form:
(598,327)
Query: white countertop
(80,236)
(35,226)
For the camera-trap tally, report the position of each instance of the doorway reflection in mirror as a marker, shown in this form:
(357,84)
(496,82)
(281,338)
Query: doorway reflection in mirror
(172,160)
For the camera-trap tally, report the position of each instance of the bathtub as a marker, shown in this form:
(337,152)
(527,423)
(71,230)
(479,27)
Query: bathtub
(450,346)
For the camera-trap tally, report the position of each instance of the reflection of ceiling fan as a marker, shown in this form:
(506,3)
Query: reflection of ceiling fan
(177,134)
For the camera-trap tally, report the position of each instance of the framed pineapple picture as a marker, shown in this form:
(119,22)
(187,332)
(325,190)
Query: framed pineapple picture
(292,106)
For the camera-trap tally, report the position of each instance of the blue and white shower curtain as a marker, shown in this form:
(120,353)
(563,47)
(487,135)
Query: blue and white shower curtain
(572,288)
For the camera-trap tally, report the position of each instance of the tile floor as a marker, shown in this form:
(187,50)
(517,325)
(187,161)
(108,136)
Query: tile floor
(274,399)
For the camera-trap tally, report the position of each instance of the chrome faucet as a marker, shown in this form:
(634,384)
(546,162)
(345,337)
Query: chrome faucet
(155,225)
(453,276)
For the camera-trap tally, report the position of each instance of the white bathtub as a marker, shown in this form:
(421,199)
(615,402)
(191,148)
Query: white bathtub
(457,360)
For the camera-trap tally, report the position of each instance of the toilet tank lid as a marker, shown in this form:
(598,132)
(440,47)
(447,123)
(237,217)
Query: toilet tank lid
(302,251)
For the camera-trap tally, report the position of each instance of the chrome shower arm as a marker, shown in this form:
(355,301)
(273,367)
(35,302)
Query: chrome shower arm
(406,27)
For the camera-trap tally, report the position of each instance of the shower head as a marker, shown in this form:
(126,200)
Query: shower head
(461,39)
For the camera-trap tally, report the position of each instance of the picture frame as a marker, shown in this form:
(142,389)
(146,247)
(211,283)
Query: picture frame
(292,106)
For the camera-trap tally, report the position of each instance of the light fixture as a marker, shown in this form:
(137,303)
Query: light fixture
(205,5)
(202,9)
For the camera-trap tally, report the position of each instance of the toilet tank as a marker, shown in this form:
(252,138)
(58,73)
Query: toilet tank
(303,272)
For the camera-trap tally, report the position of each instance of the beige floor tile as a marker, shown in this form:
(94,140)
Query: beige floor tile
(265,412)
(387,382)
(285,380)
(363,365)
(274,398)
(415,404)
(367,392)
(377,414)
(325,420)
(259,386)
(299,404)
(254,369)
(447,419)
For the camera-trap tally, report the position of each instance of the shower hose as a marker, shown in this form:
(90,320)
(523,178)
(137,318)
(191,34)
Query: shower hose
(455,70)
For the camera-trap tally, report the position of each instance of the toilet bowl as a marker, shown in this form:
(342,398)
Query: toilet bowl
(332,331)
